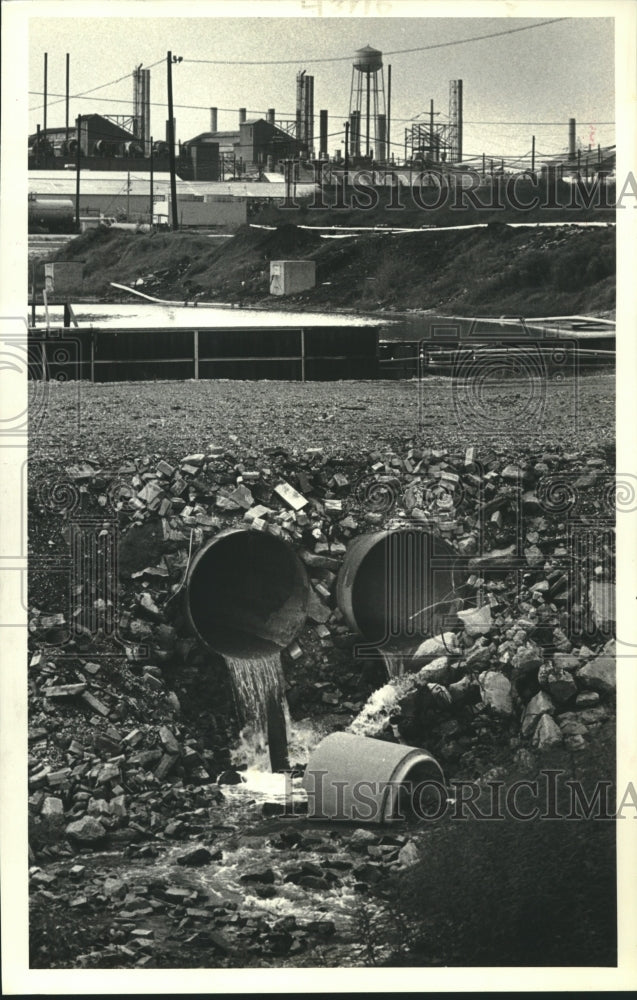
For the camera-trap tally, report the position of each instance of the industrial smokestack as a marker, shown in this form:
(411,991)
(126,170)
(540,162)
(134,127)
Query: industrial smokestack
(355,133)
(243,114)
(141,107)
(571,138)
(305,111)
(460,116)
(213,120)
(381,138)
(310,114)
(455,120)
(271,115)
(323,133)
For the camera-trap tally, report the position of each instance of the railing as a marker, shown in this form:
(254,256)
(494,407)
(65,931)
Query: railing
(139,354)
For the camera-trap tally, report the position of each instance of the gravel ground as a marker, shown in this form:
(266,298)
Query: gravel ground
(70,421)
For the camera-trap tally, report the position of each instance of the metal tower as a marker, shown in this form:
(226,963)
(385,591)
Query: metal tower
(305,111)
(455,120)
(367,113)
(141,107)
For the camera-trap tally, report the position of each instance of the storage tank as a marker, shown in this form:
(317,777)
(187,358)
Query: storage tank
(368,59)
(54,214)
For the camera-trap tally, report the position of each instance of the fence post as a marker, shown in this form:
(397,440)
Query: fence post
(196,352)
(302,354)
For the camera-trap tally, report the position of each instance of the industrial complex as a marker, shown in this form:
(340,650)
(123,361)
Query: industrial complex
(112,166)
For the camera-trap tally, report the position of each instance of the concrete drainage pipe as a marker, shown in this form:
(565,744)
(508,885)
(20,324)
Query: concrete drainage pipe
(365,780)
(246,593)
(394,584)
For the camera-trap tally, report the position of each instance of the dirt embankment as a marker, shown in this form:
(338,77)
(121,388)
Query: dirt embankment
(497,268)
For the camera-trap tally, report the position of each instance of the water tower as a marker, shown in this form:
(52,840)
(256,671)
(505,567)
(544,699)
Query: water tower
(367,114)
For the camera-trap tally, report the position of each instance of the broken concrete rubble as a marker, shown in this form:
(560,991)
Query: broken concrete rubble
(114,750)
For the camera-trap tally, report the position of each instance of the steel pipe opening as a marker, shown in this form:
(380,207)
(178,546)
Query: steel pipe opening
(247,593)
(394,585)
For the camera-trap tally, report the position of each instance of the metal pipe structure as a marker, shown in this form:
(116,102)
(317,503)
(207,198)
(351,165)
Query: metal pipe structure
(213,120)
(571,139)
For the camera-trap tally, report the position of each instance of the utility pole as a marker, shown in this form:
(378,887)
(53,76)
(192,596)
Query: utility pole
(388,129)
(533,154)
(171,141)
(78,154)
(68,78)
(152,193)
(46,76)
(346,149)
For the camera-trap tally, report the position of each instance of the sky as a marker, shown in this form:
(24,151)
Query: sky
(515,85)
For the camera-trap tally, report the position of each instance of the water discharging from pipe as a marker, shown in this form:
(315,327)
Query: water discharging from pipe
(259,690)
(247,599)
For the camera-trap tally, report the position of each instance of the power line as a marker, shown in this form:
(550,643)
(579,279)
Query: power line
(83,93)
(292,114)
(393,52)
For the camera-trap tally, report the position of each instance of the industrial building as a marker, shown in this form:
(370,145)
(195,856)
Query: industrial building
(117,153)
(211,204)
(99,137)
(257,144)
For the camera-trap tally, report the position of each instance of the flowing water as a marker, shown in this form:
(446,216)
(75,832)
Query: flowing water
(259,689)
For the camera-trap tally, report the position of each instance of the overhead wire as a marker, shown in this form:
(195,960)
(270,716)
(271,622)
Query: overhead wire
(85,93)
(393,52)
(292,114)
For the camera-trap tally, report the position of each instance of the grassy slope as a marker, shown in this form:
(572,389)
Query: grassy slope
(499,269)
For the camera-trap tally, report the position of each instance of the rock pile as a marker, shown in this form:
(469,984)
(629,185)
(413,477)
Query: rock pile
(533,661)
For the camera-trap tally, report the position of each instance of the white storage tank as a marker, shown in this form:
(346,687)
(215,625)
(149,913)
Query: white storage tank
(290,276)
